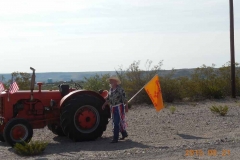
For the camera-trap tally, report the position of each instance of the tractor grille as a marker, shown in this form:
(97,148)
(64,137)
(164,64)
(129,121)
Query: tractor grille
(1,106)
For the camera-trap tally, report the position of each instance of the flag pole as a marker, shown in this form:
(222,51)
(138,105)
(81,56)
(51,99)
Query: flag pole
(139,91)
(136,94)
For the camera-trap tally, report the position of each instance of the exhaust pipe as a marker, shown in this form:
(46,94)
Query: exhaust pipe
(32,82)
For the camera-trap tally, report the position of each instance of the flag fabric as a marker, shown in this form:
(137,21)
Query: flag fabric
(153,90)
(13,87)
(1,87)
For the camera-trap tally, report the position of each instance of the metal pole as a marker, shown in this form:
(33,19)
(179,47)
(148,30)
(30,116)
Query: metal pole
(233,83)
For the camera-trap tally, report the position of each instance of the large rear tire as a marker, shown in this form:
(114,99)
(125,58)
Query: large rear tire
(17,130)
(82,118)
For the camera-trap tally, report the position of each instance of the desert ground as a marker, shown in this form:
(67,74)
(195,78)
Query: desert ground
(192,132)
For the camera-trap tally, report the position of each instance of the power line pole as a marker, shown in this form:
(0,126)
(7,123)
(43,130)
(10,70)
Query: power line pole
(233,82)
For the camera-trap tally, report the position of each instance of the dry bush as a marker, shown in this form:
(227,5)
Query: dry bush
(219,110)
(30,149)
(172,109)
(201,83)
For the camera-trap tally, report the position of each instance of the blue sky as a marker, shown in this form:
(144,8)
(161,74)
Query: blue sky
(101,35)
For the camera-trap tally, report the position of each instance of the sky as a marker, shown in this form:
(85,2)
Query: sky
(101,35)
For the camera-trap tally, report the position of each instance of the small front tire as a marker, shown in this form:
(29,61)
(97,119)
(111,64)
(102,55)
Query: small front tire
(17,130)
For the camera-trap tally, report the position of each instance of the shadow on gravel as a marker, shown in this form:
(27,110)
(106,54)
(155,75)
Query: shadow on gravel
(4,144)
(64,145)
(186,136)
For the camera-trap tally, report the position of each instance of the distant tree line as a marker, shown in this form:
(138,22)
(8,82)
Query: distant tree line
(205,82)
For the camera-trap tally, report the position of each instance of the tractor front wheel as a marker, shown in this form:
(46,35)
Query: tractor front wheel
(83,119)
(17,130)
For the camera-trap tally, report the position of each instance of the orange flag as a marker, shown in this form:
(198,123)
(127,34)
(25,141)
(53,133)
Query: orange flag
(153,90)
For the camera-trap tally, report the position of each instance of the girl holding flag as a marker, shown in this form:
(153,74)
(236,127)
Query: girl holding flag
(116,98)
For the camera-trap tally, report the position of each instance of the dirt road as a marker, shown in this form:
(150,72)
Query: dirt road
(192,132)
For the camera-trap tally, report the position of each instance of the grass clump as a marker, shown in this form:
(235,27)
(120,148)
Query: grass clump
(219,110)
(30,149)
(172,109)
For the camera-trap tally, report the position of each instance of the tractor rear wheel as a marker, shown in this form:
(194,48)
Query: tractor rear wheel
(83,119)
(17,130)
(56,129)
(2,138)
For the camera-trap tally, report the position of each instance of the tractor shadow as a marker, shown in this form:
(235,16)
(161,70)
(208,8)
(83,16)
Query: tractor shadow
(66,147)
(101,144)
(3,144)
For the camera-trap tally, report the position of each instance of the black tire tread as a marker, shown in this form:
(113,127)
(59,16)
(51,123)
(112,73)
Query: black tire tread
(67,114)
(10,124)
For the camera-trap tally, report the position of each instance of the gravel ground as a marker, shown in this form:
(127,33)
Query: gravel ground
(192,132)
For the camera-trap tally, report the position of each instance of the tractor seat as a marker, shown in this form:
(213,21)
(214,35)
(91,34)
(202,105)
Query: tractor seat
(64,89)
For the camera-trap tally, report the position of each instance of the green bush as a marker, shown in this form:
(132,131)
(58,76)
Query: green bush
(201,83)
(134,78)
(207,82)
(172,109)
(170,88)
(29,149)
(96,82)
(219,110)
(225,78)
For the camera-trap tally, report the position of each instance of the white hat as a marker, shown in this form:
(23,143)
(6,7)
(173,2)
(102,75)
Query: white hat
(114,77)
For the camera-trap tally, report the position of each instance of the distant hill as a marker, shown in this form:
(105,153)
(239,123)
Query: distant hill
(62,76)
(78,76)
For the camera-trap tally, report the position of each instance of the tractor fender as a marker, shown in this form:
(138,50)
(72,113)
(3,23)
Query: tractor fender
(79,92)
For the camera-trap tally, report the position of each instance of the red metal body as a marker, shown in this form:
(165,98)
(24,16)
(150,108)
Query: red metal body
(38,112)
(77,114)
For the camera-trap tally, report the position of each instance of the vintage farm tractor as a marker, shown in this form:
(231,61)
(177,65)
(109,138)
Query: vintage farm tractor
(71,112)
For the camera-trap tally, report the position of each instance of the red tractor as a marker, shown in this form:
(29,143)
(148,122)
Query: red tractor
(71,112)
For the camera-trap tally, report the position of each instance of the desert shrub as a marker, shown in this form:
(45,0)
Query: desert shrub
(97,82)
(170,88)
(172,109)
(133,79)
(207,82)
(22,79)
(214,92)
(204,82)
(185,87)
(225,78)
(29,149)
(219,110)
